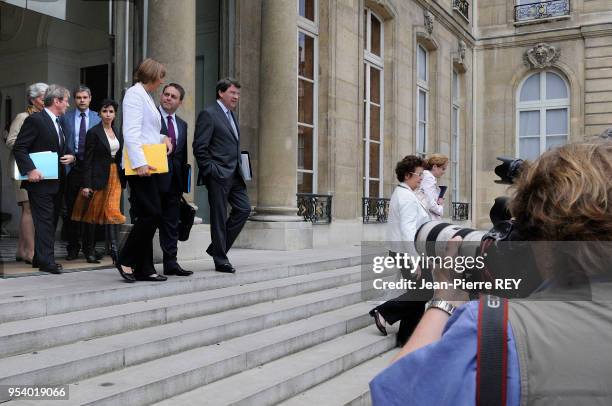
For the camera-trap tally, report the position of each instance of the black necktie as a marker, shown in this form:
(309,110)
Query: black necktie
(82,131)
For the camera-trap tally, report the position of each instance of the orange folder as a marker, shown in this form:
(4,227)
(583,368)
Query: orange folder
(155,155)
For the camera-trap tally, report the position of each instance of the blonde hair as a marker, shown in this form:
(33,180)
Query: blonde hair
(149,71)
(566,194)
(435,159)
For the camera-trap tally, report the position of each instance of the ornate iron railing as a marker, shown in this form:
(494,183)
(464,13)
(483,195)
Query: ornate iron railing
(315,208)
(461,211)
(542,10)
(374,209)
(462,7)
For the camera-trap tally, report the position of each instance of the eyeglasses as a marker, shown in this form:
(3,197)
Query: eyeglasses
(420,174)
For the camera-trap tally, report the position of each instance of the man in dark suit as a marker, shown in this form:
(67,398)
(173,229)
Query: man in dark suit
(174,183)
(76,123)
(43,132)
(216,147)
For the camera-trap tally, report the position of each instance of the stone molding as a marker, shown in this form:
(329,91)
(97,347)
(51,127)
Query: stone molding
(459,57)
(428,21)
(541,56)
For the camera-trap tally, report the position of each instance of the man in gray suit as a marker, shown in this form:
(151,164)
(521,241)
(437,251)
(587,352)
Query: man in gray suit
(216,147)
(76,124)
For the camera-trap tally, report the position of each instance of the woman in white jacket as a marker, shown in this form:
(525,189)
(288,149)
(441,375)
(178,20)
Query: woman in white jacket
(142,125)
(435,167)
(407,212)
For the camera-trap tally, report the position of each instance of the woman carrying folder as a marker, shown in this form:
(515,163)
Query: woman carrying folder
(141,126)
(100,197)
(435,166)
(25,244)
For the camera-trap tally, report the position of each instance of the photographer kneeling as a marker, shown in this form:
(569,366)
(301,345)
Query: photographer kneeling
(558,344)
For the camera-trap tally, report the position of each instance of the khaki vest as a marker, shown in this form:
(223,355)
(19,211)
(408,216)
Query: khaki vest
(565,349)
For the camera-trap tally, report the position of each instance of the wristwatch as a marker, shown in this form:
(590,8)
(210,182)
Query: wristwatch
(442,305)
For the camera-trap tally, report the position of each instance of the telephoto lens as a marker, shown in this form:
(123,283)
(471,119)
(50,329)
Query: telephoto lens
(432,238)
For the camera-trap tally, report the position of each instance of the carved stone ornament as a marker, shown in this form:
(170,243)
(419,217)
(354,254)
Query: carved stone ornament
(428,21)
(541,56)
(459,57)
(461,49)
(607,133)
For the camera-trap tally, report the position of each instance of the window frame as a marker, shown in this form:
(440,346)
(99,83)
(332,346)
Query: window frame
(455,133)
(421,87)
(310,29)
(370,61)
(542,106)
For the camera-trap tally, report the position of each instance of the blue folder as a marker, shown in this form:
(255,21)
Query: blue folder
(46,162)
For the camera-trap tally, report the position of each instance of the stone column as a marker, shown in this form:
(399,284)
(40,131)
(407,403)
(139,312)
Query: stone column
(277,171)
(171,32)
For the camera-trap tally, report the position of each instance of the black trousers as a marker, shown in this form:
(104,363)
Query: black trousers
(223,229)
(145,198)
(168,228)
(407,308)
(46,208)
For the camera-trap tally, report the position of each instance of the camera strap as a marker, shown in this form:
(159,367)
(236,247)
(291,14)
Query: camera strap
(492,355)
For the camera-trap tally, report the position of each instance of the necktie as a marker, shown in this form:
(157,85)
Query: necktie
(60,136)
(171,133)
(82,132)
(231,120)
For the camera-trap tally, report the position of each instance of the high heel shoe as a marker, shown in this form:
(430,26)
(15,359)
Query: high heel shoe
(129,277)
(380,322)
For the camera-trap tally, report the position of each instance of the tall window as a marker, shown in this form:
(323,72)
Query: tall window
(307,76)
(373,105)
(455,117)
(422,100)
(542,114)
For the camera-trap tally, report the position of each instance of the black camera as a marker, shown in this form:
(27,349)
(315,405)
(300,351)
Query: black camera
(504,251)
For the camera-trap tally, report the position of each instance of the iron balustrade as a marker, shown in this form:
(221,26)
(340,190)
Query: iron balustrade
(462,7)
(461,211)
(374,209)
(315,208)
(541,10)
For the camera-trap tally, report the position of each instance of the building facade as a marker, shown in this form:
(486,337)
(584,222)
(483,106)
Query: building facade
(335,92)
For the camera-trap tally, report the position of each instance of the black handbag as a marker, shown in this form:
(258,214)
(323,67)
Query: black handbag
(186,216)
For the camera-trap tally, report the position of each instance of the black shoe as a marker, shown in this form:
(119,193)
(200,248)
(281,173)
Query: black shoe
(379,320)
(129,277)
(226,268)
(18,258)
(151,278)
(177,271)
(53,268)
(92,259)
(72,256)
(34,263)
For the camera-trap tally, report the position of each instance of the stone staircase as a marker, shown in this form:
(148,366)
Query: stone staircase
(295,331)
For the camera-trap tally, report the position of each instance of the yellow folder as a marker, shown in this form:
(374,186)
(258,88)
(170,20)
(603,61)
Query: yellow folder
(155,155)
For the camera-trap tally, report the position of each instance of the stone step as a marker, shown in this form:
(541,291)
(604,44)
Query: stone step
(282,379)
(307,339)
(84,359)
(350,388)
(44,332)
(56,294)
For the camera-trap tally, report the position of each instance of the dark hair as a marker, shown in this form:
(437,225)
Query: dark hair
(109,102)
(81,89)
(149,71)
(224,84)
(407,165)
(177,87)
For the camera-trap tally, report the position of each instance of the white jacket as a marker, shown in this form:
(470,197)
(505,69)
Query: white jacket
(429,186)
(406,214)
(141,124)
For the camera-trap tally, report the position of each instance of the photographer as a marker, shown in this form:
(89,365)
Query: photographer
(564,197)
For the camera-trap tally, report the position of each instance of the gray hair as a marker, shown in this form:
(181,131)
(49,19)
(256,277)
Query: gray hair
(55,92)
(35,90)
(80,89)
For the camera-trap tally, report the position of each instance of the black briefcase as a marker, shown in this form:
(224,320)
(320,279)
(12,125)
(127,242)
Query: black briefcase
(187,214)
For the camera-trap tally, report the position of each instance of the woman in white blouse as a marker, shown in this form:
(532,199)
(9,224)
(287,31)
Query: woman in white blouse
(435,167)
(142,125)
(407,213)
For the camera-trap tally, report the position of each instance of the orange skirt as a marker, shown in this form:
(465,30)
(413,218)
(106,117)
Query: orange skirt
(103,207)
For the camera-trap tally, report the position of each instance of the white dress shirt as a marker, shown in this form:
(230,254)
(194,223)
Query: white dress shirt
(429,186)
(141,124)
(406,214)
(56,124)
(77,126)
(174,124)
(228,115)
